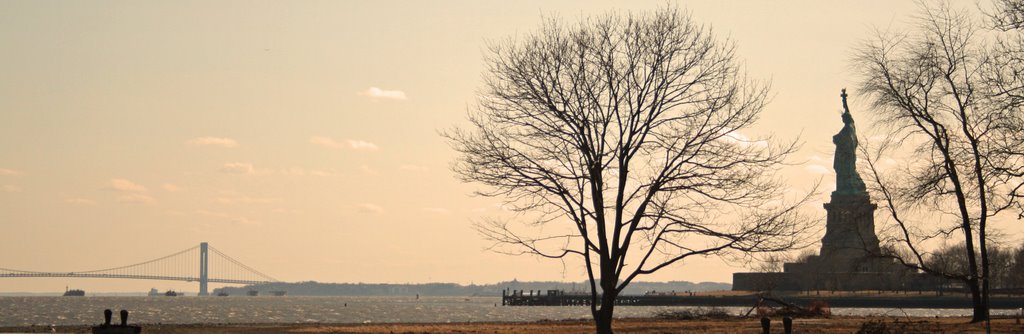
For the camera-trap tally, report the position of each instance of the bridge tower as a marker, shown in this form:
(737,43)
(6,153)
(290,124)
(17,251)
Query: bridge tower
(204,269)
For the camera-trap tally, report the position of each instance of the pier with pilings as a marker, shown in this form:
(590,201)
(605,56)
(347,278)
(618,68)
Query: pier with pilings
(562,298)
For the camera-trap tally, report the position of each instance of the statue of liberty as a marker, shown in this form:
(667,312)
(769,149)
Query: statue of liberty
(848,182)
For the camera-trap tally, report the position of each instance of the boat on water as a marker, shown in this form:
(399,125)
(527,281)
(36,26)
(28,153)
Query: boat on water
(278,293)
(253,293)
(222,294)
(169,293)
(73,292)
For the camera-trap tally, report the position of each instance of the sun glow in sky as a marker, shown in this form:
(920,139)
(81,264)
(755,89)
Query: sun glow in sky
(302,137)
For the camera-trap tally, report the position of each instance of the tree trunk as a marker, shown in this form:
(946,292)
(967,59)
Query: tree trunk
(980,309)
(603,318)
(985,271)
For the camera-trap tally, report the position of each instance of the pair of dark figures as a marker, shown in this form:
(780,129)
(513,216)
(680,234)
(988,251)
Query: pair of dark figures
(123,328)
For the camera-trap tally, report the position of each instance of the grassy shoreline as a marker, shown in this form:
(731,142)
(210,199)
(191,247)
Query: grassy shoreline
(830,325)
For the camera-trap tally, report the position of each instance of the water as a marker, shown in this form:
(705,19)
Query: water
(24,311)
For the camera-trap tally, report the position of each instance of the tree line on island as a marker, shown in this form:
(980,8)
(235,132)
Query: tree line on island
(452,289)
(1006,266)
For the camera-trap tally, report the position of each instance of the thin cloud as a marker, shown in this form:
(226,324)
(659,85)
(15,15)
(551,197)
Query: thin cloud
(246,200)
(213,141)
(324,173)
(125,185)
(327,142)
(818,159)
(212,214)
(293,171)
(135,199)
(440,211)
(10,188)
(413,168)
(742,140)
(368,170)
(242,220)
(369,208)
(351,144)
(887,163)
(79,201)
(817,169)
(238,168)
(246,221)
(877,138)
(9,172)
(288,211)
(299,171)
(170,187)
(360,145)
(378,93)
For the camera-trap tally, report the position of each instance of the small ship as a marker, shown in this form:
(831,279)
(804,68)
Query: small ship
(73,292)
(170,293)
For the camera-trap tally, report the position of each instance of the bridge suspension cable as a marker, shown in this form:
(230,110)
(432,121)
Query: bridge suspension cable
(188,265)
(244,269)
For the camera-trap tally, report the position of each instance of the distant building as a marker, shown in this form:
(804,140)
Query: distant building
(844,262)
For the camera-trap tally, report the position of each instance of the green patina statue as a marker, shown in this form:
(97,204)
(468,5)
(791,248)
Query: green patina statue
(848,182)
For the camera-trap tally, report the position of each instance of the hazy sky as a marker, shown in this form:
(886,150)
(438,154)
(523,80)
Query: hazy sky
(302,137)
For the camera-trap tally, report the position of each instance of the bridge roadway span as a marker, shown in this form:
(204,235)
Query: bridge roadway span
(149,277)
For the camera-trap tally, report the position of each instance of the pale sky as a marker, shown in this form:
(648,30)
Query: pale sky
(302,137)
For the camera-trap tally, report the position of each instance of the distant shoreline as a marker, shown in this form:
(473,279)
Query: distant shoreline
(313,288)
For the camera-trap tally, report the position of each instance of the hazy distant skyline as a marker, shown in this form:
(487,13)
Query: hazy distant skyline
(302,137)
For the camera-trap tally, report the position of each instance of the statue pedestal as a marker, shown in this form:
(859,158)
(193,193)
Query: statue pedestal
(849,232)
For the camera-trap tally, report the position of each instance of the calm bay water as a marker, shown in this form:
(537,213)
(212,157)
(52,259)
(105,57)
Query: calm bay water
(23,311)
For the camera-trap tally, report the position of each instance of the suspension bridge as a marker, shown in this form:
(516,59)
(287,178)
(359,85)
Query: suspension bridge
(213,266)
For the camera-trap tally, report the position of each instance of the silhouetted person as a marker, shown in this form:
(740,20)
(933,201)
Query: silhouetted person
(123,328)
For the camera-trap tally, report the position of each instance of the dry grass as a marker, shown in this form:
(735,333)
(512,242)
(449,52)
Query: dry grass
(647,326)
(734,325)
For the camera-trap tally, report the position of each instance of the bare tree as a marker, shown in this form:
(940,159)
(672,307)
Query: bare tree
(950,259)
(1003,80)
(617,141)
(1007,14)
(929,89)
(1016,276)
(772,263)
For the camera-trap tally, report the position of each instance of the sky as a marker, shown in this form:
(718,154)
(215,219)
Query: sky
(302,138)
